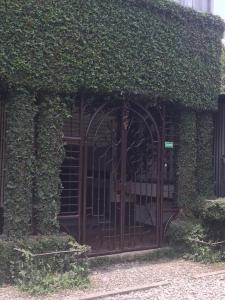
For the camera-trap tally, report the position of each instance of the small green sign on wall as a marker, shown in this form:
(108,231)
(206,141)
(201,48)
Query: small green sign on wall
(169,145)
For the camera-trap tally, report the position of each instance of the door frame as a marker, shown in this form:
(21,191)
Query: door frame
(159,184)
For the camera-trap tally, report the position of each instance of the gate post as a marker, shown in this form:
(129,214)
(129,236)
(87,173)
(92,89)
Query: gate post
(205,154)
(187,160)
(49,157)
(20,110)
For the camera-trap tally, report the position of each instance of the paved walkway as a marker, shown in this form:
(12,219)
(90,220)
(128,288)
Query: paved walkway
(182,277)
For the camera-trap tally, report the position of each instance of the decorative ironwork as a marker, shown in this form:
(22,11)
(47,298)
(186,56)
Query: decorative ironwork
(123,179)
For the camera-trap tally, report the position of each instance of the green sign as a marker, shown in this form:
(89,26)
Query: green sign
(168,145)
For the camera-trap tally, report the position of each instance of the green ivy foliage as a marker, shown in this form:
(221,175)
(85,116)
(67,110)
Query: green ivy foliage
(213,219)
(205,176)
(22,268)
(187,160)
(146,47)
(6,254)
(49,156)
(194,159)
(21,109)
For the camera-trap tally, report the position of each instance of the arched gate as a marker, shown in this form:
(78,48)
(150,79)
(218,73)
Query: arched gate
(116,165)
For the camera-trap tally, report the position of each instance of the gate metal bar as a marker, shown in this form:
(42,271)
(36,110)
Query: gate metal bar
(123,171)
(112,197)
(219,149)
(2,151)
(123,178)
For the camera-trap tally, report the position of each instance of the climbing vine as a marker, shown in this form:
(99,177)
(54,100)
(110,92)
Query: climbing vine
(187,160)
(153,49)
(20,163)
(49,156)
(205,154)
(143,47)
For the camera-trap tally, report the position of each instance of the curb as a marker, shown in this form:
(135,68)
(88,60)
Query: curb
(139,255)
(209,274)
(124,291)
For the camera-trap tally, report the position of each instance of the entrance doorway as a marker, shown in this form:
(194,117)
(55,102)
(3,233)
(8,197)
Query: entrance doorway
(117,176)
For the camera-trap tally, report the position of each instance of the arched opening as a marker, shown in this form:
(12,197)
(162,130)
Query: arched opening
(117,176)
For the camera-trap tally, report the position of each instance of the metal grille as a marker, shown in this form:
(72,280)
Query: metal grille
(121,195)
(70,179)
(219,149)
(70,198)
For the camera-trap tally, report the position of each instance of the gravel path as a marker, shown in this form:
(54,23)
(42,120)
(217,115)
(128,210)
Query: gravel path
(179,273)
(211,288)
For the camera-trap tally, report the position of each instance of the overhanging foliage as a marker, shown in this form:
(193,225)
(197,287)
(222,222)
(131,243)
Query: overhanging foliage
(146,47)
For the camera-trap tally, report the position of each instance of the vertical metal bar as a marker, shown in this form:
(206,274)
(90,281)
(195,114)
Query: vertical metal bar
(104,196)
(135,204)
(82,178)
(161,175)
(218,122)
(84,198)
(221,148)
(116,188)
(218,158)
(123,172)
(158,184)
(92,179)
(99,190)
(128,203)
(160,161)
(220,142)
(141,184)
(215,151)
(2,152)
(111,190)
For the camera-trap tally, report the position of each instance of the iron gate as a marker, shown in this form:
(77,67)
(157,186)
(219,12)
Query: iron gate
(114,177)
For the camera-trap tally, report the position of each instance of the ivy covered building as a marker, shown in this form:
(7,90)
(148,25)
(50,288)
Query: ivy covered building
(106,118)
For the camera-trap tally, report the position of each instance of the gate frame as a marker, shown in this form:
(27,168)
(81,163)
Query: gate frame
(160,167)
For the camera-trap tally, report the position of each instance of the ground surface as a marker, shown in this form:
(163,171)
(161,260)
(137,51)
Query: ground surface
(180,275)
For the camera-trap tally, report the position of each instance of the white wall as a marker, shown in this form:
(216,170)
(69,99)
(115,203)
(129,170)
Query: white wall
(200,5)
